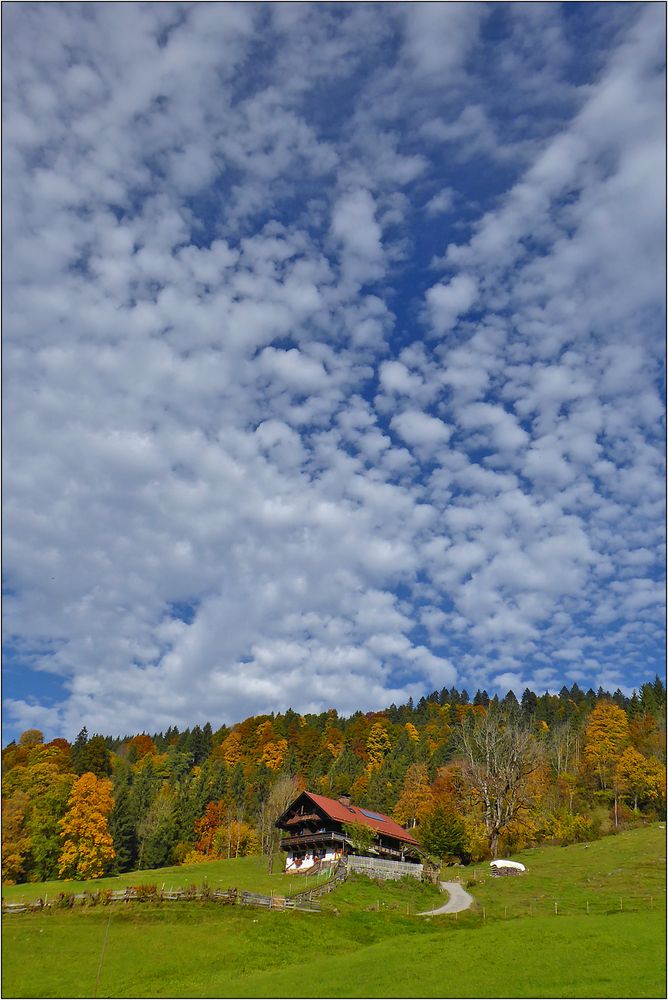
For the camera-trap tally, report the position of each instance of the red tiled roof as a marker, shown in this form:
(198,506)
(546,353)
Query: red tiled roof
(353,814)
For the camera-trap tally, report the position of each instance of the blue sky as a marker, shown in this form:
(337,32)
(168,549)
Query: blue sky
(333,354)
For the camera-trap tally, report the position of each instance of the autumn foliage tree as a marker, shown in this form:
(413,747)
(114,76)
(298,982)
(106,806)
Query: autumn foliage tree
(638,778)
(416,796)
(378,744)
(16,842)
(500,754)
(606,737)
(406,761)
(88,847)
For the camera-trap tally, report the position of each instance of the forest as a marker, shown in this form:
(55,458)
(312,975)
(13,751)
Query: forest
(468,776)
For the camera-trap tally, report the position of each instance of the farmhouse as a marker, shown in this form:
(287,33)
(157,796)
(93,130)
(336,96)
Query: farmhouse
(318,830)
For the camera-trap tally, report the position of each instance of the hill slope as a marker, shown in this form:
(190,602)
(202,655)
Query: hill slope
(365,944)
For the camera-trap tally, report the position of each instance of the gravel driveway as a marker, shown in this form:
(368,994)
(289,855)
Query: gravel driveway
(459,900)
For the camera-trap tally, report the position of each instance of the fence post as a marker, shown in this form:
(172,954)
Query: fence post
(587,906)
(621,903)
(556,909)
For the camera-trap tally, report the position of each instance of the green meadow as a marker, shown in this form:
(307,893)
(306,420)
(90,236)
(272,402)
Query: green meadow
(240,873)
(607,938)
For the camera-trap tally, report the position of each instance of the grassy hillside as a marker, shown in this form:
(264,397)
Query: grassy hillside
(241,873)
(368,943)
(624,872)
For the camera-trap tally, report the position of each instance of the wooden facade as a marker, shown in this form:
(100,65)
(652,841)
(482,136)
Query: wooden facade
(314,828)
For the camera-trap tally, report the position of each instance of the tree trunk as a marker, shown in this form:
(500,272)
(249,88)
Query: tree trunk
(494,843)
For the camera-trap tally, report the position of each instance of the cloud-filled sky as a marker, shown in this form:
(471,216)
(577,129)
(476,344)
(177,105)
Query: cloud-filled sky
(333,355)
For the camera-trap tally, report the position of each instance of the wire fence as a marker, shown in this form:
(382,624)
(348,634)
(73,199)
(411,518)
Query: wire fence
(554,907)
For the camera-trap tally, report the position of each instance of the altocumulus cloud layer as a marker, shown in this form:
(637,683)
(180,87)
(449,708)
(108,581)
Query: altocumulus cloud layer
(333,347)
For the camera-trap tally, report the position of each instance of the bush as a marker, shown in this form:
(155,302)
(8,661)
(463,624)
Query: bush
(206,892)
(146,893)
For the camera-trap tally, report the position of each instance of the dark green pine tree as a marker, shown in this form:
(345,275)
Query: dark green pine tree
(344,770)
(510,702)
(258,788)
(529,702)
(218,782)
(78,750)
(160,840)
(207,739)
(377,795)
(191,800)
(576,694)
(96,758)
(237,793)
(123,829)
(144,789)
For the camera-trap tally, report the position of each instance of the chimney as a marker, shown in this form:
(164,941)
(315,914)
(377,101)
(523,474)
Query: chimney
(344,799)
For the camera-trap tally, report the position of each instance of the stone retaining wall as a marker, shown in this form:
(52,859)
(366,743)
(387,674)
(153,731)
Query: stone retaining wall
(380,868)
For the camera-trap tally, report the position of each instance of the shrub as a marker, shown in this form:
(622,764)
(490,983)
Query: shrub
(146,893)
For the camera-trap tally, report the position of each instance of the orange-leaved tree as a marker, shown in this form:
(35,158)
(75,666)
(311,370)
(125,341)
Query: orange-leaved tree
(88,847)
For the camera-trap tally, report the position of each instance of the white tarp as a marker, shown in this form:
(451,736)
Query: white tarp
(501,863)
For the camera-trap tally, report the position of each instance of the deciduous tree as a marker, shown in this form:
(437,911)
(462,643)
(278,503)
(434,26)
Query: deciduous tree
(606,737)
(501,753)
(16,842)
(416,797)
(88,848)
(638,778)
(282,793)
(378,744)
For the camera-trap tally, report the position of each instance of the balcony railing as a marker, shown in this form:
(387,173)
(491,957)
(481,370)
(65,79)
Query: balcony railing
(326,837)
(330,837)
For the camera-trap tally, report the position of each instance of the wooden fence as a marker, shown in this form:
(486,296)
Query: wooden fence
(305,900)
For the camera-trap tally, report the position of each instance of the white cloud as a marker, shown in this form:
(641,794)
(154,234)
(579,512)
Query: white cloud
(354,226)
(237,475)
(419,429)
(446,302)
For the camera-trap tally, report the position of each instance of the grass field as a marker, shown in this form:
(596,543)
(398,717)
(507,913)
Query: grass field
(241,873)
(367,942)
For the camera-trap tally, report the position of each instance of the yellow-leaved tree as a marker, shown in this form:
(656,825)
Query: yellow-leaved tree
(378,744)
(416,797)
(606,737)
(88,847)
(640,778)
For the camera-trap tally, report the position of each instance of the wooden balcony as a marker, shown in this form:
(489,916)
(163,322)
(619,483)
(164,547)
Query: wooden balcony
(304,840)
(330,837)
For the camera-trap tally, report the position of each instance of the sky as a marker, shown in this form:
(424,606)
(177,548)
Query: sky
(333,356)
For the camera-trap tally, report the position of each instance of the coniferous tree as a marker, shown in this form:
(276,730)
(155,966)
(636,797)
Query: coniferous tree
(123,829)
(96,758)
(529,703)
(78,750)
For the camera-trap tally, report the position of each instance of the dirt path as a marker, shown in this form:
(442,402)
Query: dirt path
(459,900)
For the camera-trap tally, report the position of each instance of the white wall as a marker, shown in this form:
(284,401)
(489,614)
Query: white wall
(308,862)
